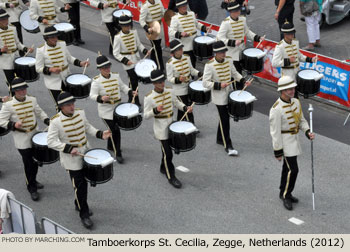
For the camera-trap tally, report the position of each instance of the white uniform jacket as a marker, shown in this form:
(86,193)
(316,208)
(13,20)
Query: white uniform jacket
(126,47)
(151,12)
(185,23)
(281,56)
(65,133)
(112,87)
(13,111)
(9,37)
(58,56)
(13,12)
(216,73)
(176,67)
(106,14)
(232,30)
(163,119)
(285,121)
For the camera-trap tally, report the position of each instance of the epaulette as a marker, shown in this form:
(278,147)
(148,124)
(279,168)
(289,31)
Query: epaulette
(55,116)
(186,55)
(227,19)
(275,105)
(150,92)
(210,61)
(228,57)
(41,45)
(61,40)
(77,109)
(168,87)
(96,77)
(170,60)
(280,42)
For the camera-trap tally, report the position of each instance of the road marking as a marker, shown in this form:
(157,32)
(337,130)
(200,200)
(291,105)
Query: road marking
(296,221)
(182,168)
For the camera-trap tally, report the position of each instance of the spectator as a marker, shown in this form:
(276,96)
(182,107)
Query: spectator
(284,12)
(199,7)
(312,9)
(4,206)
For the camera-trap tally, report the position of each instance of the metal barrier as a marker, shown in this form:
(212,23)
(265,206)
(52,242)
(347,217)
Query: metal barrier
(51,227)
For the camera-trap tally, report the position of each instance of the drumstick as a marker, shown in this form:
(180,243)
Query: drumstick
(25,55)
(186,112)
(82,155)
(85,65)
(260,41)
(209,29)
(147,53)
(245,86)
(133,97)
(315,63)
(124,6)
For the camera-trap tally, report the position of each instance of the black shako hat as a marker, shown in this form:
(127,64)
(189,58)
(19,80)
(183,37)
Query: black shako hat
(65,98)
(157,76)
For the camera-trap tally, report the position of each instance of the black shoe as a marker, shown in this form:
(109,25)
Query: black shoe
(120,159)
(292,198)
(75,42)
(80,41)
(39,185)
(175,182)
(34,196)
(90,212)
(87,222)
(287,203)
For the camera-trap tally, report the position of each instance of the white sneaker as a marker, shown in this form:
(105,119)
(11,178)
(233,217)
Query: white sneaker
(232,152)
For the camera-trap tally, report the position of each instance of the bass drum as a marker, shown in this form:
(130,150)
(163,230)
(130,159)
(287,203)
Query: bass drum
(309,81)
(78,85)
(28,24)
(182,136)
(25,68)
(41,152)
(127,116)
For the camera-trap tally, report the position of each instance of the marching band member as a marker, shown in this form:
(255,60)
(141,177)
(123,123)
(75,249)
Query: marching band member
(107,8)
(159,103)
(217,76)
(20,115)
(52,59)
(233,30)
(45,12)
(179,71)
(67,134)
(74,19)
(287,54)
(14,9)
(126,50)
(9,45)
(286,118)
(184,26)
(105,90)
(153,10)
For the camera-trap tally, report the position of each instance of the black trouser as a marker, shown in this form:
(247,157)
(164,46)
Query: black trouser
(74,16)
(223,133)
(10,75)
(114,142)
(285,14)
(193,58)
(238,66)
(157,54)
(133,84)
(80,192)
(55,93)
(30,168)
(167,159)
(289,176)
(113,30)
(19,31)
(189,117)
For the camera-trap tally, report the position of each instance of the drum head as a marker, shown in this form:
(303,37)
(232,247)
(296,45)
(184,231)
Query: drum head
(181,127)
(78,79)
(241,97)
(65,27)
(198,86)
(26,61)
(26,22)
(253,52)
(144,68)
(127,109)
(40,138)
(204,40)
(100,154)
(119,13)
(308,74)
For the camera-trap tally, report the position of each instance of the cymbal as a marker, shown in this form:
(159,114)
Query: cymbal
(167,16)
(155,25)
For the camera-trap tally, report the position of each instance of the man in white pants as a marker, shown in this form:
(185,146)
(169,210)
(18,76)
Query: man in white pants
(312,20)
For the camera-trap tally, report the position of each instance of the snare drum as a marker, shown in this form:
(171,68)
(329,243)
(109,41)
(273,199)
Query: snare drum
(199,94)
(94,172)
(308,81)
(182,136)
(252,60)
(117,14)
(27,23)
(143,69)
(65,32)
(4,131)
(127,116)
(25,68)
(203,47)
(78,85)
(41,152)
(240,105)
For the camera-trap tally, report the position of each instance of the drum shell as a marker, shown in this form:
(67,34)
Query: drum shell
(203,51)
(96,173)
(251,64)
(199,97)
(78,91)
(180,142)
(43,154)
(67,36)
(145,80)
(126,123)
(26,72)
(240,110)
(4,131)
(307,88)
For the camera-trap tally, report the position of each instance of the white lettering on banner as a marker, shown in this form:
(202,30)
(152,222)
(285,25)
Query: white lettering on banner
(332,72)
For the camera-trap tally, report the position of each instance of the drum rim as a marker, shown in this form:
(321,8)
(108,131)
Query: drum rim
(138,64)
(97,166)
(85,153)
(180,122)
(229,95)
(208,35)
(123,128)
(119,10)
(205,90)
(64,23)
(122,103)
(66,80)
(309,70)
(25,57)
(254,57)
(36,133)
(34,21)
